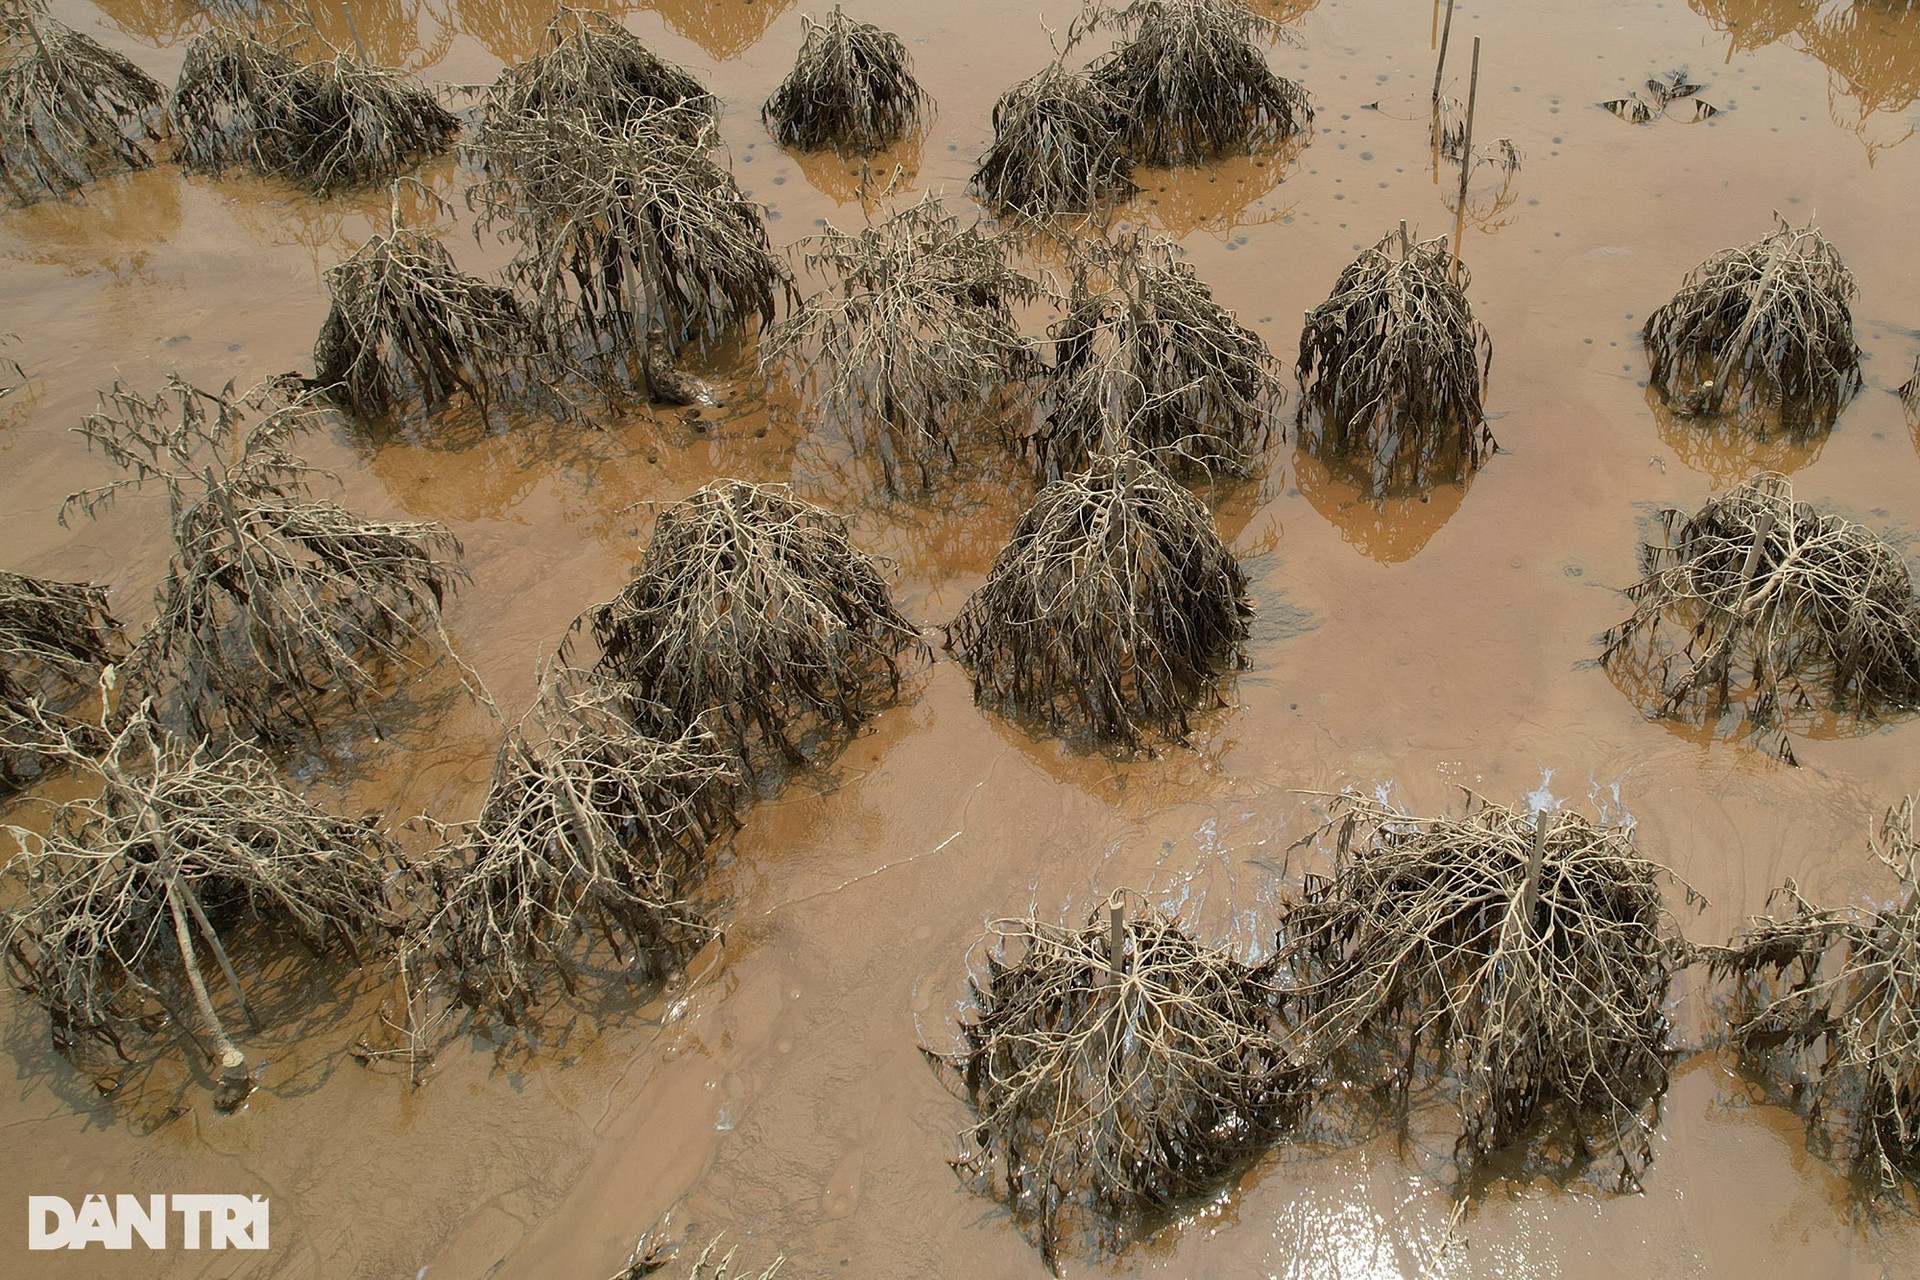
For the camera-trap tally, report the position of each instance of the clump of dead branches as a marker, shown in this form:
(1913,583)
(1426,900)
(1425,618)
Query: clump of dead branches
(592,833)
(918,322)
(134,897)
(1392,368)
(1117,1071)
(408,327)
(1111,610)
(652,1254)
(274,604)
(755,608)
(55,640)
(1190,86)
(1145,357)
(1520,960)
(70,109)
(1827,1003)
(1761,602)
(851,86)
(330,125)
(1765,323)
(620,226)
(589,65)
(1056,148)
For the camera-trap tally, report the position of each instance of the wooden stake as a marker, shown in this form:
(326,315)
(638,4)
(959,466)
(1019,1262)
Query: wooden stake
(1530,899)
(1466,160)
(357,42)
(1116,938)
(1441,66)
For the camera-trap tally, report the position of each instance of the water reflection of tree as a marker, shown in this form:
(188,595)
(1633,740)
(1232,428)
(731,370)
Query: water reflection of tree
(1216,197)
(849,178)
(1729,447)
(724,28)
(511,29)
(113,231)
(1390,528)
(408,34)
(1871,49)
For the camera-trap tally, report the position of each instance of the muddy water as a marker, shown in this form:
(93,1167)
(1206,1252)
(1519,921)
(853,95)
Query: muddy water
(778,1092)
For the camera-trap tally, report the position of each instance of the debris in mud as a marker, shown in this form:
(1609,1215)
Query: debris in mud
(176,854)
(1827,1004)
(654,1257)
(754,608)
(852,85)
(1145,358)
(1664,93)
(331,125)
(55,640)
(589,65)
(408,328)
(1118,1071)
(1190,86)
(1763,603)
(1766,323)
(1111,611)
(70,109)
(1393,367)
(620,225)
(1520,961)
(1056,148)
(273,604)
(596,825)
(917,322)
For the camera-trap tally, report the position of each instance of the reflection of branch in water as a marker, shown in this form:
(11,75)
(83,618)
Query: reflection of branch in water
(724,28)
(1390,529)
(869,179)
(1728,447)
(1870,47)
(1492,195)
(1216,197)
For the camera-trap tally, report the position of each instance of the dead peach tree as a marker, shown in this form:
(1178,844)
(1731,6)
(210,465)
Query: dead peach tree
(56,638)
(851,85)
(71,110)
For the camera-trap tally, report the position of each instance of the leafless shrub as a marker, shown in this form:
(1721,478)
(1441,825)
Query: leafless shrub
(1117,1071)
(1190,86)
(70,109)
(1523,960)
(755,608)
(620,225)
(1145,357)
(330,125)
(919,321)
(1393,365)
(1827,1003)
(1110,611)
(408,327)
(55,638)
(178,853)
(1056,148)
(1770,605)
(651,1256)
(272,602)
(852,85)
(589,65)
(1764,322)
(592,833)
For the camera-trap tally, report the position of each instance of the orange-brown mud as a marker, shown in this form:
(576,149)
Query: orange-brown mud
(778,1093)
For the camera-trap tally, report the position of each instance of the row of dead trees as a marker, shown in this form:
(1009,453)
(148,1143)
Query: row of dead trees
(1514,966)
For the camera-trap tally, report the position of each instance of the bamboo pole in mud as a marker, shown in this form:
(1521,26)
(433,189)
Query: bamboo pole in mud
(1440,67)
(354,28)
(1535,861)
(1466,159)
(1116,938)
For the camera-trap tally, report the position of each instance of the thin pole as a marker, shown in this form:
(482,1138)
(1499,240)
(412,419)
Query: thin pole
(358,43)
(1440,67)
(1466,160)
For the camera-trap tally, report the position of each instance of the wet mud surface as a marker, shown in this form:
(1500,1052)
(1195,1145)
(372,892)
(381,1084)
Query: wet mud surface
(777,1092)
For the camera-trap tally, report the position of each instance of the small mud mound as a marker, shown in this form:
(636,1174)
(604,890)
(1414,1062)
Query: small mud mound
(273,604)
(1826,1004)
(851,86)
(1144,356)
(1111,611)
(331,125)
(919,322)
(1392,369)
(131,891)
(407,328)
(1762,604)
(1056,149)
(70,110)
(55,639)
(1762,325)
(592,833)
(1118,1072)
(755,608)
(1190,87)
(1521,962)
